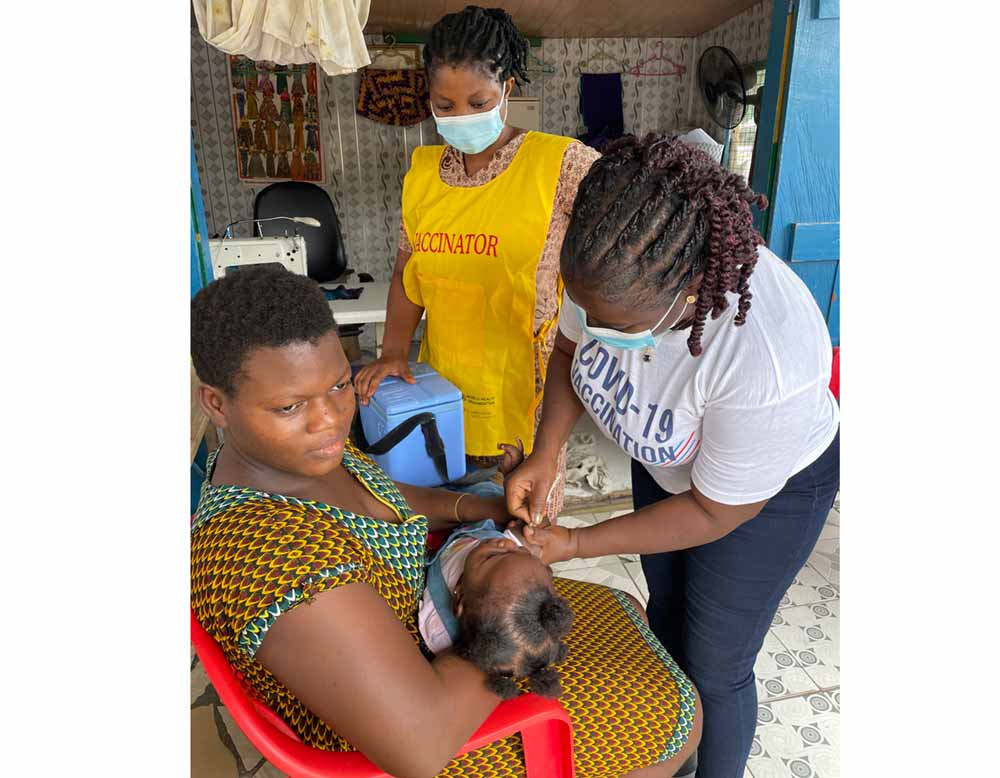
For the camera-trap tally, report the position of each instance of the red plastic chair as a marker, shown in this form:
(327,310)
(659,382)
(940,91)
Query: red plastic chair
(545,727)
(835,373)
(435,540)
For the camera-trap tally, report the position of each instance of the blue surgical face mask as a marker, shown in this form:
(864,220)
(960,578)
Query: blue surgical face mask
(474,132)
(629,340)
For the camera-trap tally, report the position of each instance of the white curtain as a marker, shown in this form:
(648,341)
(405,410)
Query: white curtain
(289,32)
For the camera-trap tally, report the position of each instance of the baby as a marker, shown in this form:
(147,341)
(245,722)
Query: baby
(490,596)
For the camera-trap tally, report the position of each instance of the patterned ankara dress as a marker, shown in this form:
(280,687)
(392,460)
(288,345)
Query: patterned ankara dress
(256,555)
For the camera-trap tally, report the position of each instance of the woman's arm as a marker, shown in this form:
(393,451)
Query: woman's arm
(439,506)
(561,407)
(683,521)
(345,655)
(748,449)
(747,452)
(528,486)
(402,317)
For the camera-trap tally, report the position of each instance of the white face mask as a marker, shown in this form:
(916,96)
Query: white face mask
(474,132)
(630,340)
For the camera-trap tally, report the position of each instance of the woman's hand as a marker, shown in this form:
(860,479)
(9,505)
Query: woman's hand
(527,488)
(370,376)
(517,527)
(557,544)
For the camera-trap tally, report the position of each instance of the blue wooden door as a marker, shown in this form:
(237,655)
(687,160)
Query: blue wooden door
(798,148)
(200,257)
(200,276)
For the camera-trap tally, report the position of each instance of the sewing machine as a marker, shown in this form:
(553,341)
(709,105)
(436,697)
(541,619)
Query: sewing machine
(234,253)
(287,251)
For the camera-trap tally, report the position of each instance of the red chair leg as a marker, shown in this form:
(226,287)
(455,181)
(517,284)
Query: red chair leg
(548,749)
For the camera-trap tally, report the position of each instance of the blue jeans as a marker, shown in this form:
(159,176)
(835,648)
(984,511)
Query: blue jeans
(711,606)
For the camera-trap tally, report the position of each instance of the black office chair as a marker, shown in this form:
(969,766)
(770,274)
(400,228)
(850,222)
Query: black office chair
(327,260)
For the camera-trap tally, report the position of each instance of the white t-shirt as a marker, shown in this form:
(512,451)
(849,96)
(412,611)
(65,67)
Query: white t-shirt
(738,421)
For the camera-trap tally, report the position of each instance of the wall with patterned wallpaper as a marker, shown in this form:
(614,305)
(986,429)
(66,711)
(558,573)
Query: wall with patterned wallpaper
(366,161)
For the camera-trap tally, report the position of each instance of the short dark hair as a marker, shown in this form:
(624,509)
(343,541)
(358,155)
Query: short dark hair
(498,631)
(650,215)
(250,308)
(483,37)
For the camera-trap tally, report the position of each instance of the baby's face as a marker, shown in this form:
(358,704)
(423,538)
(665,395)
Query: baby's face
(500,562)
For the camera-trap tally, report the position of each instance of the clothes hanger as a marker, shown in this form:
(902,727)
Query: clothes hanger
(535,65)
(670,69)
(392,56)
(597,57)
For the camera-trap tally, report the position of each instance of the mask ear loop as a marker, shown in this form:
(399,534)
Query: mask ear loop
(690,299)
(647,352)
(506,97)
(667,313)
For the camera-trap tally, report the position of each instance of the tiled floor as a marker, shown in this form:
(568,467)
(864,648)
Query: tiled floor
(798,674)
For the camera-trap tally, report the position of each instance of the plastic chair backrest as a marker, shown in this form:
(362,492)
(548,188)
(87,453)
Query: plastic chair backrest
(326,257)
(835,373)
(435,540)
(545,727)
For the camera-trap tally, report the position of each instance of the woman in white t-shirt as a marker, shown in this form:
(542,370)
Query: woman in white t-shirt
(724,409)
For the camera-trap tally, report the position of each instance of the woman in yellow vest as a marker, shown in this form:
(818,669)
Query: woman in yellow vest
(483,225)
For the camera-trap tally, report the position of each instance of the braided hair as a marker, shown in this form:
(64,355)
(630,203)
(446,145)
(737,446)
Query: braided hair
(652,214)
(510,637)
(483,37)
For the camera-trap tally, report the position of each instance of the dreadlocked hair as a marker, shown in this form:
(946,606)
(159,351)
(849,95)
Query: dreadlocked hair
(262,306)
(484,37)
(510,637)
(650,215)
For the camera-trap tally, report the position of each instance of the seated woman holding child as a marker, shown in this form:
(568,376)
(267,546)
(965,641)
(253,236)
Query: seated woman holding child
(308,567)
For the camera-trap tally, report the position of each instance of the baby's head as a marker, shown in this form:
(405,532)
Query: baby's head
(511,621)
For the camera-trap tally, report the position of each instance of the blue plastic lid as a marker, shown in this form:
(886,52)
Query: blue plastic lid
(394,395)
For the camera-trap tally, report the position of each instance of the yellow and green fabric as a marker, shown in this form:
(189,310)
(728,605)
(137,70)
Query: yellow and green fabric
(255,555)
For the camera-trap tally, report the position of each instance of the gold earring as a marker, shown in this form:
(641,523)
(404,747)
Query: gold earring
(690,299)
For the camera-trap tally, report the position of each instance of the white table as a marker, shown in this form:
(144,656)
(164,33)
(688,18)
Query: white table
(369,308)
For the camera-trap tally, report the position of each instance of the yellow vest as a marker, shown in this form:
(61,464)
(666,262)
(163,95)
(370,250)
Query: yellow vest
(475,255)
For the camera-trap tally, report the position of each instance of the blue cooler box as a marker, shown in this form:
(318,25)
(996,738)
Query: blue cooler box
(396,401)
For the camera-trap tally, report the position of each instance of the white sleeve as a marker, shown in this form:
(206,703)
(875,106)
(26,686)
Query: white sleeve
(569,324)
(747,454)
